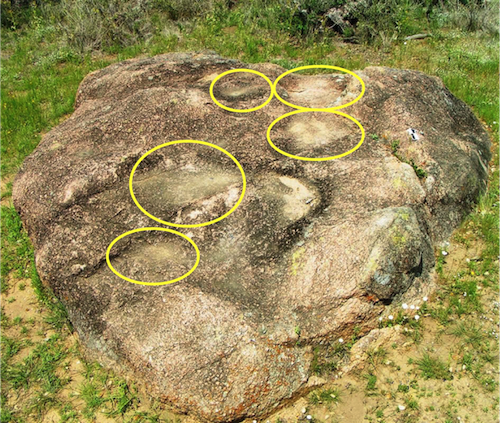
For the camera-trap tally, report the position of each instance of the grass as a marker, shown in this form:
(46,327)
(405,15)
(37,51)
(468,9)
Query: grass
(412,328)
(40,77)
(403,388)
(471,335)
(376,356)
(36,95)
(57,316)
(326,396)
(371,381)
(411,403)
(101,391)
(41,376)
(433,368)
(92,398)
(329,358)
(16,247)
(36,373)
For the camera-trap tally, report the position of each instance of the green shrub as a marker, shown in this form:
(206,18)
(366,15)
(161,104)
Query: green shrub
(389,19)
(305,16)
(7,15)
(183,9)
(469,15)
(15,13)
(88,25)
(101,24)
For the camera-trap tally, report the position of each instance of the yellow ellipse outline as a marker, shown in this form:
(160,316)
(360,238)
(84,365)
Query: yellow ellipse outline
(315,159)
(195,225)
(253,109)
(315,109)
(185,275)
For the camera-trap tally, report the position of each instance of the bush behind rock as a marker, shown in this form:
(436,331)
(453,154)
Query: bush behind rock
(97,24)
(89,25)
(470,15)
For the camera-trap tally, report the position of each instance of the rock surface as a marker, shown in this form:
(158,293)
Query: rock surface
(314,249)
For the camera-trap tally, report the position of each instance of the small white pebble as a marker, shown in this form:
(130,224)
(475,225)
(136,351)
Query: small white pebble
(412,307)
(417,308)
(401,407)
(467,260)
(425,298)
(405,42)
(444,253)
(341,340)
(405,306)
(380,319)
(417,317)
(309,417)
(255,421)
(464,367)
(303,411)
(465,294)
(391,317)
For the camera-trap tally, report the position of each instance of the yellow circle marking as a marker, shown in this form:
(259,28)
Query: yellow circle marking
(185,275)
(315,159)
(313,109)
(194,225)
(253,109)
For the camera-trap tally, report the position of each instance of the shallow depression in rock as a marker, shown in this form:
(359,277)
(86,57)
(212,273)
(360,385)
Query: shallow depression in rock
(152,256)
(314,91)
(189,184)
(315,134)
(241,90)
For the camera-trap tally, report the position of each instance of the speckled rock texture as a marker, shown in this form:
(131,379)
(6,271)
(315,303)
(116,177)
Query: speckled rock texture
(314,249)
